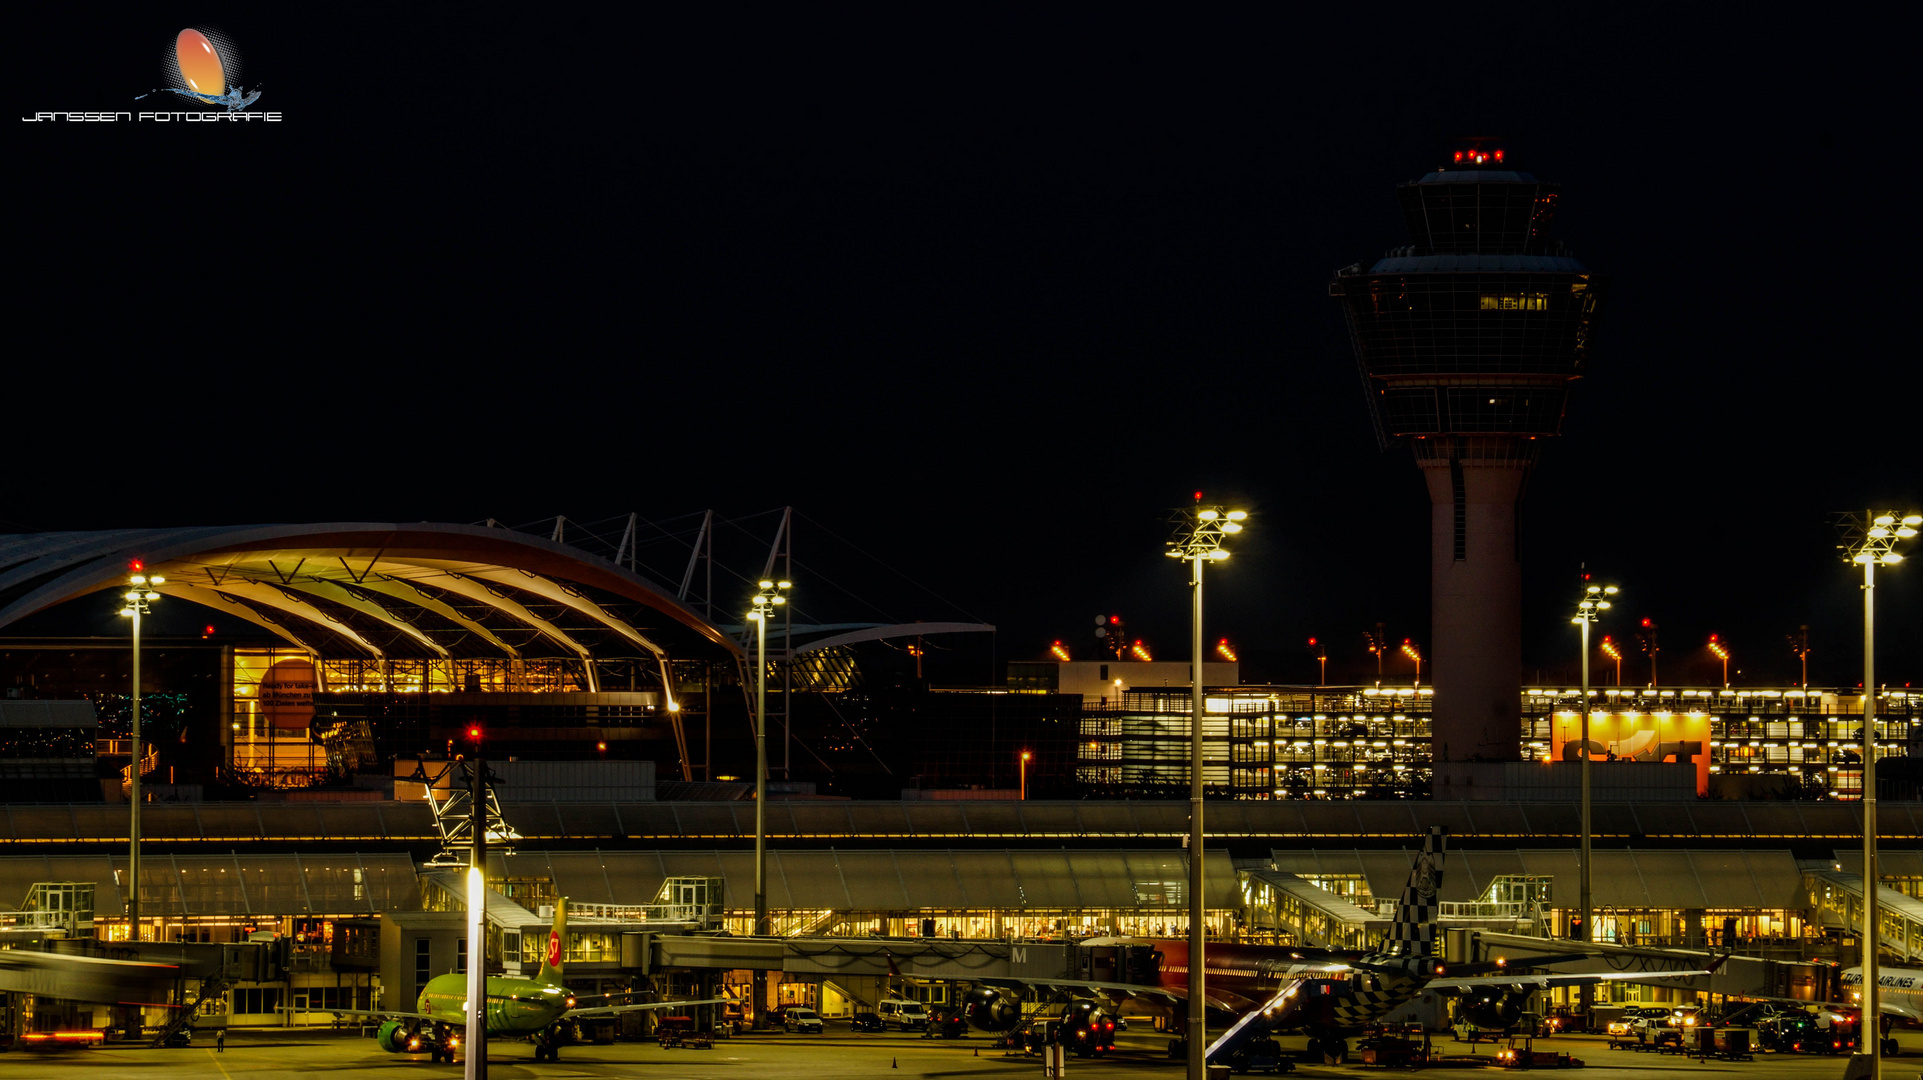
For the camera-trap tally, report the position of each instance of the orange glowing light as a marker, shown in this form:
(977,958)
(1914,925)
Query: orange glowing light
(1139,651)
(200,65)
(1060,652)
(1223,650)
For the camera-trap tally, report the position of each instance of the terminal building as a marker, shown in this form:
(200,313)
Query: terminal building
(371,650)
(365,917)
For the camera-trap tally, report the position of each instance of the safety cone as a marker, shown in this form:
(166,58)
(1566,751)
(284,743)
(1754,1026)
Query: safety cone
(894,1063)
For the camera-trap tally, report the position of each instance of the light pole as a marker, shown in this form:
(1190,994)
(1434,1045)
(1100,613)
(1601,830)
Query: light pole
(1867,541)
(1595,601)
(1799,645)
(1198,540)
(765,602)
(1321,655)
(1610,650)
(1025,756)
(137,599)
(1721,652)
(1409,650)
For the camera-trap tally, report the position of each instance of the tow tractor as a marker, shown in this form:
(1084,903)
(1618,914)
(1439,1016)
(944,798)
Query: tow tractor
(680,1031)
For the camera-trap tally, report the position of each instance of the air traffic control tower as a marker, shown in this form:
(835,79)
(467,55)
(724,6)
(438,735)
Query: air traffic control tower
(1469,339)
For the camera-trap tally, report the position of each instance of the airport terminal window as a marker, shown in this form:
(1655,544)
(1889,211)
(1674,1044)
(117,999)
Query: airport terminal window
(423,964)
(257,1000)
(1515,302)
(592,948)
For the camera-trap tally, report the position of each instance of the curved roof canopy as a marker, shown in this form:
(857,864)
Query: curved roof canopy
(378,590)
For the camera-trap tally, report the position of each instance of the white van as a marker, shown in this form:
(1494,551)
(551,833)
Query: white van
(911,1015)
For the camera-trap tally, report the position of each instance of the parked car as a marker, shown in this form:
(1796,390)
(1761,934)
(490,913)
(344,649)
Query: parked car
(867,1021)
(805,1021)
(909,1015)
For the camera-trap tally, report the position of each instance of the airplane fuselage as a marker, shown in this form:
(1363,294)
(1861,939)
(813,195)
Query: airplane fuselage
(1242,977)
(514,1006)
(1899,990)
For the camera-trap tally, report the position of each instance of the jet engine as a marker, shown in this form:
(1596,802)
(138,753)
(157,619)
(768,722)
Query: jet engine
(992,1009)
(1494,1008)
(392,1037)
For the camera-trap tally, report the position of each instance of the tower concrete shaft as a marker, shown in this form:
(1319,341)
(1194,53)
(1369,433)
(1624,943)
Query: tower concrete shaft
(1468,339)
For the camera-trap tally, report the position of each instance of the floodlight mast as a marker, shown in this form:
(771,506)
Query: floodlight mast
(1198,540)
(1870,540)
(772,595)
(137,597)
(1594,601)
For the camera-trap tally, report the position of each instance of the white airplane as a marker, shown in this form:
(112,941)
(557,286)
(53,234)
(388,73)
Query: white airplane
(1899,997)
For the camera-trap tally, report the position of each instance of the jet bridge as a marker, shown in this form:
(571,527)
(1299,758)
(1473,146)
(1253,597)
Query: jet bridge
(1840,895)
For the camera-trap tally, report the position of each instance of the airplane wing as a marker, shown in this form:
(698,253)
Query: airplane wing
(1883,1005)
(1518,982)
(611,1010)
(395,1014)
(1216,999)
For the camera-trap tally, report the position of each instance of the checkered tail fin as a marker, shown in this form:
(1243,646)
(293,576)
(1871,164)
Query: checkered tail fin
(1413,933)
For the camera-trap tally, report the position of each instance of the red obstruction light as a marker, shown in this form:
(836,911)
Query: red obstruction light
(137,565)
(474,733)
(1645,620)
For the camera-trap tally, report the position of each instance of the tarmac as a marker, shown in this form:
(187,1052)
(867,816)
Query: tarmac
(264,1055)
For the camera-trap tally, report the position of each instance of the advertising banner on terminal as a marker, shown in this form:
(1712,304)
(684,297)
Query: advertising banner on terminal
(1681,737)
(287,694)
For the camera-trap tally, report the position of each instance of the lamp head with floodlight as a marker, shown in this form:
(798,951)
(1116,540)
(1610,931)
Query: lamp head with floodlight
(1593,602)
(1870,538)
(1199,532)
(770,597)
(143,589)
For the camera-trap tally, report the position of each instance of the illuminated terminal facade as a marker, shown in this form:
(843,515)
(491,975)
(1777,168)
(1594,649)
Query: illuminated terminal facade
(1291,742)
(365,924)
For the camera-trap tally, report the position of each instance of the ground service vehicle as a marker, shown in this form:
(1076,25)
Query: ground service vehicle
(805,1021)
(679,1031)
(867,1021)
(908,1015)
(1083,1026)
(945,1024)
(1265,1056)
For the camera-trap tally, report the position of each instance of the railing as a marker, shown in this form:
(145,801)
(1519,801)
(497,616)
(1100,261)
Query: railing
(682,913)
(69,921)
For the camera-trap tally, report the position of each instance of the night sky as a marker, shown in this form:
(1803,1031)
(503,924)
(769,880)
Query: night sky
(984,296)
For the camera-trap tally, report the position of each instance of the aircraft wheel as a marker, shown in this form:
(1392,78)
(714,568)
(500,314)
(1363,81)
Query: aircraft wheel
(1890,1049)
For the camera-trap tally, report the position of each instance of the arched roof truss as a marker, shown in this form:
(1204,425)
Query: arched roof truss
(379,589)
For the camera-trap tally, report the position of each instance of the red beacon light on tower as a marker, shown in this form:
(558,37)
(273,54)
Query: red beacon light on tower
(1478,156)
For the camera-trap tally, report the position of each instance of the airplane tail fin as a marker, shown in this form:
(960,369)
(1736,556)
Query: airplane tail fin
(1412,936)
(557,945)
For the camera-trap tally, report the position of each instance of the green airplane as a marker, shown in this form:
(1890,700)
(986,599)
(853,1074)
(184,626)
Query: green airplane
(539,1009)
